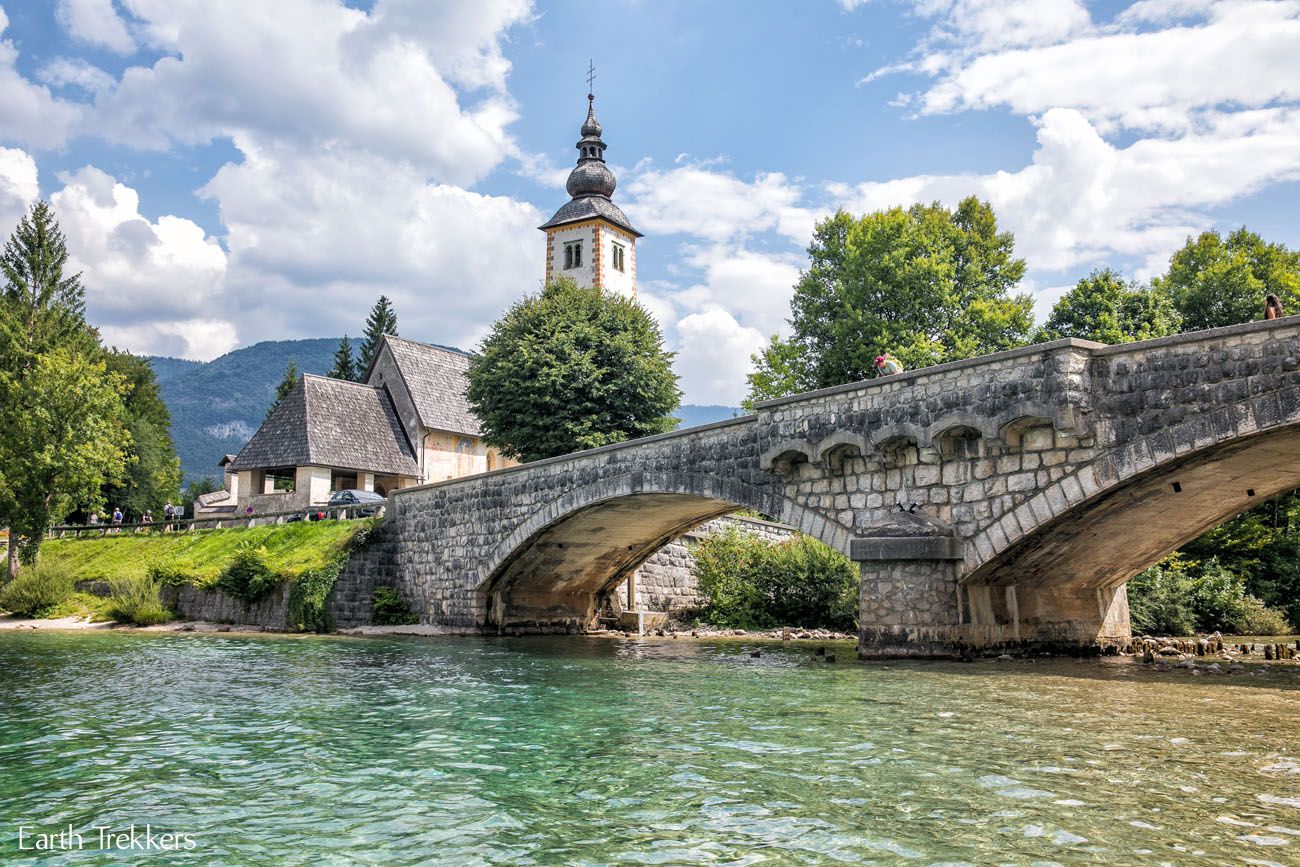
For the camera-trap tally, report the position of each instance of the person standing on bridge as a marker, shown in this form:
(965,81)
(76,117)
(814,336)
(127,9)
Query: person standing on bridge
(888,365)
(1272,307)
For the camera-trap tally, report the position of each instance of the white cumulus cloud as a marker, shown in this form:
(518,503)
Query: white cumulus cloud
(169,269)
(314,239)
(96,22)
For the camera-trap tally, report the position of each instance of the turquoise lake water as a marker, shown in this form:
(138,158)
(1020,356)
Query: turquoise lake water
(307,750)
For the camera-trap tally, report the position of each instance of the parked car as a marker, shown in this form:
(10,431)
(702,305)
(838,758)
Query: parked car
(357,504)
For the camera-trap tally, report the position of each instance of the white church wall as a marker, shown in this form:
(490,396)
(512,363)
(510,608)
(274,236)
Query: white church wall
(584,232)
(624,281)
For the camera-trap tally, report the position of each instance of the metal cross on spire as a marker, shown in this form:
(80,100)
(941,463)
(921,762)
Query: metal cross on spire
(591,75)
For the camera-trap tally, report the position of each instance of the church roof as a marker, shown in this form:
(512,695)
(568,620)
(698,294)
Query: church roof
(590,207)
(436,378)
(591,183)
(331,423)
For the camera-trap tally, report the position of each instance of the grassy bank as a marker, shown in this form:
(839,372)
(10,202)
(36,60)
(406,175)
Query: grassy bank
(247,563)
(289,550)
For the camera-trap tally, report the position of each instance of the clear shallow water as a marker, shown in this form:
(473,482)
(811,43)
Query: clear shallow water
(593,751)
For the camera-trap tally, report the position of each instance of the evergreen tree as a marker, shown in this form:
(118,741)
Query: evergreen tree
(44,307)
(287,383)
(382,320)
(153,471)
(572,368)
(928,284)
(345,366)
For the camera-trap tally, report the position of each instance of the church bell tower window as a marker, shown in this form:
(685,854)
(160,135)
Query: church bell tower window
(618,257)
(573,255)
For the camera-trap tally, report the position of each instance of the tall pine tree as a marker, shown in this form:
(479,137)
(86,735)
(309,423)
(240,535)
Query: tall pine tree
(290,379)
(382,320)
(345,366)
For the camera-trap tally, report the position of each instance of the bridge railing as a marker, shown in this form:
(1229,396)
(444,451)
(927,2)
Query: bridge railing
(220,522)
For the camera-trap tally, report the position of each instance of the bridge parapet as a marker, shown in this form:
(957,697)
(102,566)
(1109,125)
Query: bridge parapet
(988,395)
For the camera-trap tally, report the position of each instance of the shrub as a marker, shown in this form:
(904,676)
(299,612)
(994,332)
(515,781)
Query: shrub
(136,600)
(247,577)
(390,609)
(1259,619)
(37,591)
(753,584)
(310,595)
(1179,597)
(168,571)
(1157,601)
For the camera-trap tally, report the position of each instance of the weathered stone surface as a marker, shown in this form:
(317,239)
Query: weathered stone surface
(1053,465)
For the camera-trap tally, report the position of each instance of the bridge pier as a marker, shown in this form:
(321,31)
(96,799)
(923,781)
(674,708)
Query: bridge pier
(919,608)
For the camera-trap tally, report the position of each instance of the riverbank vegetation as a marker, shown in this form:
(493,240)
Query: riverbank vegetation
(201,557)
(751,583)
(248,563)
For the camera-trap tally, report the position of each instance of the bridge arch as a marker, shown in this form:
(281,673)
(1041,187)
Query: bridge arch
(1100,525)
(552,571)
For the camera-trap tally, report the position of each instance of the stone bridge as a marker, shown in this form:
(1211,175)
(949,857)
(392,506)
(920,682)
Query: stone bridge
(1003,500)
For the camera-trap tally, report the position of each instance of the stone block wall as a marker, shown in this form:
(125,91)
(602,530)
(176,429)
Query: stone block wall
(217,606)
(666,582)
(368,568)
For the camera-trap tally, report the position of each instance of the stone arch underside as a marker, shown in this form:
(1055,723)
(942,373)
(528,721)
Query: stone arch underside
(553,572)
(1098,545)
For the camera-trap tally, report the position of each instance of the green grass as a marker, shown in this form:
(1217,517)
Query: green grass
(201,555)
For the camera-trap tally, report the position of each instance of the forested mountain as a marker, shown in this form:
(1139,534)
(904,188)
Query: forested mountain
(215,407)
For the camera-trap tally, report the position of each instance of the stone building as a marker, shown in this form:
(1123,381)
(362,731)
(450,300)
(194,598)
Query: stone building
(407,424)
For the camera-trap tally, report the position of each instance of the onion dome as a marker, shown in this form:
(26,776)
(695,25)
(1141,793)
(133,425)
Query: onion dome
(591,184)
(591,179)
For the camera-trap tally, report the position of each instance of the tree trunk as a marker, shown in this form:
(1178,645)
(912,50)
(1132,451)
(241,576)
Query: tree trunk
(13,555)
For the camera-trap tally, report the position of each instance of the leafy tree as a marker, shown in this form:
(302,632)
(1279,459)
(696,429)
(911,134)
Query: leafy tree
(382,320)
(153,471)
(777,371)
(345,366)
(1216,281)
(61,436)
(61,432)
(1104,308)
(571,368)
(287,382)
(1263,546)
(928,284)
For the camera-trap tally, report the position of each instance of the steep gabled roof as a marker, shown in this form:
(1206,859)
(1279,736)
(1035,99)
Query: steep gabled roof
(436,378)
(331,423)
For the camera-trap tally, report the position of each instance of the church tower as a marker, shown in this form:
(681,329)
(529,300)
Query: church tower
(590,239)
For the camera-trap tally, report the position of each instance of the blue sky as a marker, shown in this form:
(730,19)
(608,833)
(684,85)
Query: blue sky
(239,171)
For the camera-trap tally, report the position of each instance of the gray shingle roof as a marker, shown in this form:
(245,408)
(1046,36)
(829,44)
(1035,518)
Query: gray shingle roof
(436,379)
(331,423)
(587,208)
(213,498)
